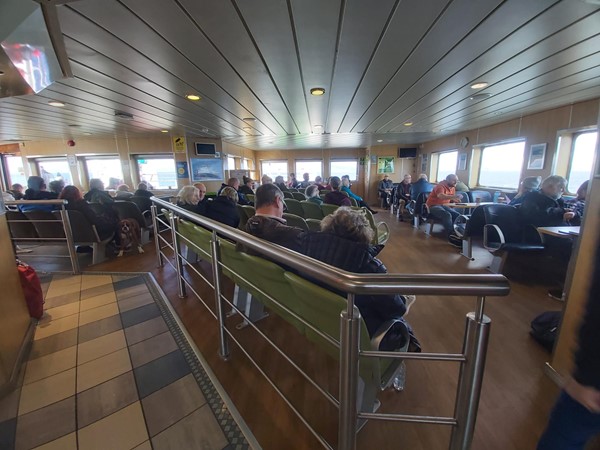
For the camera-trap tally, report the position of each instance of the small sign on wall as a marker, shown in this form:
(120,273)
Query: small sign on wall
(182,169)
(72,159)
(179,144)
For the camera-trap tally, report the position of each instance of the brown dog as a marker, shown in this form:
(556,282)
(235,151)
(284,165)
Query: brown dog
(130,234)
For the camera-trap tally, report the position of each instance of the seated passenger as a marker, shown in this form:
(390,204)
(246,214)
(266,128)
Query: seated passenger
(577,205)
(305,181)
(97,194)
(403,196)
(17,191)
(224,208)
(246,187)
(319,183)
(312,194)
(123,192)
(202,198)
(235,184)
(546,208)
(345,242)
(188,198)
(266,179)
(293,182)
(437,201)
(142,190)
(385,190)
(280,183)
(335,197)
(268,222)
(7,197)
(36,190)
(57,186)
(346,188)
(529,184)
(420,186)
(105,223)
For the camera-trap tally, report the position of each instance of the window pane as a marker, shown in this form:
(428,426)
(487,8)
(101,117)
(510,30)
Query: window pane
(314,169)
(338,168)
(230,163)
(107,169)
(274,169)
(16,171)
(54,169)
(501,165)
(446,164)
(159,173)
(581,160)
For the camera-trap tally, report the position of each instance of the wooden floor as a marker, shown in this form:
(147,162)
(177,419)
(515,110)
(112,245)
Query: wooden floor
(516,396)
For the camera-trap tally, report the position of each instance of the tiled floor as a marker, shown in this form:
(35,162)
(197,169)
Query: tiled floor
(107,371)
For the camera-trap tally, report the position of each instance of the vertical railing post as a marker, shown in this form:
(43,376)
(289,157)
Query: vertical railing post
(216,268)
(349,345)
(156,237)
(177,251)
(470,379)
(70,242)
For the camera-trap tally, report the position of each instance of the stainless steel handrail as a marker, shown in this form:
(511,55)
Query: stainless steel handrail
(472,359)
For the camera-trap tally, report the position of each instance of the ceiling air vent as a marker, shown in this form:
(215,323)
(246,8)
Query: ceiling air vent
(123,115)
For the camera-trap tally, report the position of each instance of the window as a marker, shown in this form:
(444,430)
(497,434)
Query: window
(446,164)
(274,169)
(16,171)
(54,169)
(247,164)
(501,165)
(230,163)
(339,167)
(157,171)
(582,157)
(314,168)
(108,169)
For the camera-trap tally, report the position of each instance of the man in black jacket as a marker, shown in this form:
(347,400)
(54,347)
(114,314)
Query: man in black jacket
(576,416)
(546,208)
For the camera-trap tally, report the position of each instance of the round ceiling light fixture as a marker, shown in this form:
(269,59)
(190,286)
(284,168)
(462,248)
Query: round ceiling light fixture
(193,97)
(407,124)
(318,91)
(164,131)
(379,140)
(479,85)
(56,103)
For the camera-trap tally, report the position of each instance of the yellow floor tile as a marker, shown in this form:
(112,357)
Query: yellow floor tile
(145,446)
(102,369)
(98,300)
(102,312)
(124,430)
(50,364)
(101,346)
(57,291)
(68,442)
(56,326)
(66,281)
(47,391)
(90,281)
(59,312)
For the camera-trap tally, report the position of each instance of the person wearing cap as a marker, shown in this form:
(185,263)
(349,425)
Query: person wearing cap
(246,187)
(529,184)
(36,190)
(385,190)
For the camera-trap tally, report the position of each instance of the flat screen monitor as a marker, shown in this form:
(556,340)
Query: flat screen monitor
(203,148)
(407,152)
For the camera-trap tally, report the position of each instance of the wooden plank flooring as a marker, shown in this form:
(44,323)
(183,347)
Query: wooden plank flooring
(516,396)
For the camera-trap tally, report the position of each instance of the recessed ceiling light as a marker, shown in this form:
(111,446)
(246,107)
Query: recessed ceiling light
(247,128)
(164,131)
(87,134)
(270,142)
(407,124)
(123,115)
(1,72)
(481,96)
(379,140)
(479,85)
(192,97)
(56,103)
(317,91)
(248,119)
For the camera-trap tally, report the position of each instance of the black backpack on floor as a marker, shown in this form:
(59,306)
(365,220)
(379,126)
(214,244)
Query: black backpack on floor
(544,328)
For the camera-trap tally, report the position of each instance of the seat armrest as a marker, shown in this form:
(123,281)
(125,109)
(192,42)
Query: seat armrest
(493,238)
(383,233)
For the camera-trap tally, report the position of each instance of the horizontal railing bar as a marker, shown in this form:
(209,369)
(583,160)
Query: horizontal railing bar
(373,284)
(409,418)
(454,357)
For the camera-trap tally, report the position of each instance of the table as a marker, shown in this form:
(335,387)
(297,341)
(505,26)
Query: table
(561,232)
(467,205)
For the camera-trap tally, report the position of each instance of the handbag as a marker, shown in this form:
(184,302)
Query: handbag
(32,289)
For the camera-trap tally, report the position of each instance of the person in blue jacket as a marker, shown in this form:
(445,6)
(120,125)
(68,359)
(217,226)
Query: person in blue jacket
(346,188)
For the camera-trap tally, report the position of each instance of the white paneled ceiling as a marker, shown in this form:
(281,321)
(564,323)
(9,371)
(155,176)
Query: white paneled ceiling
(382,64)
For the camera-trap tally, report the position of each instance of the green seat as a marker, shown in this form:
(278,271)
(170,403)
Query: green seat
(196,238)
(249,211)
(321,308)
(313,224)
(295,221)
(299,196)
(294,207)
(287,194)
(381,230)
(328,209)
(243,217)
(251,197)
(311,210)
(353,201)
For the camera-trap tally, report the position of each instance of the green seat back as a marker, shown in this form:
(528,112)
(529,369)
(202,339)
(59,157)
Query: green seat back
(299,196)
(313,224)
(311,210)
(328,209)
(287,194)
(295,221)
(249,210)
(380,230)
(198,239)
(353,201)
(251,197)
(243,217)
(294,207)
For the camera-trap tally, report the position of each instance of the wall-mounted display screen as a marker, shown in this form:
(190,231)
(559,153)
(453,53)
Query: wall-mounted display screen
(203,148)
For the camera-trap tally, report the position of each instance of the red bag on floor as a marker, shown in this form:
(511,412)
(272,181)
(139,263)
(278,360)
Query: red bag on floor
(32,289)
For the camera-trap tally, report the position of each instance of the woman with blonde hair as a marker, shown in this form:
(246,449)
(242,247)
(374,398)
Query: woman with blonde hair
(188,198)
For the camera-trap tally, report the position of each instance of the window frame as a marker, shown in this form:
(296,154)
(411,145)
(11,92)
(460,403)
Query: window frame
(481,150)
(574,138)
(84,161)
(437,156)
(139,156)
(282,161)
(354,160)
(300,173)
